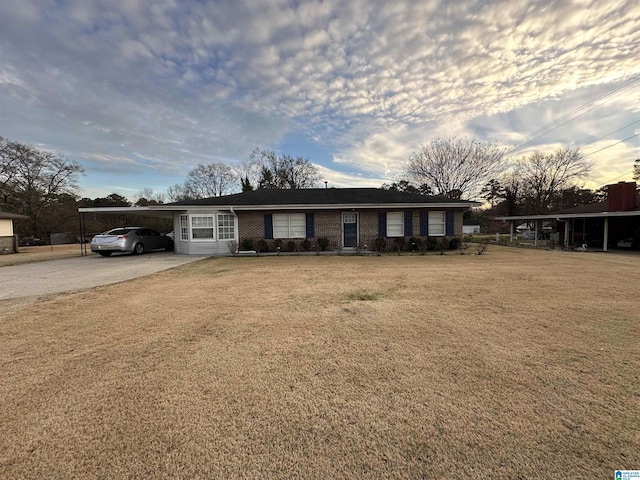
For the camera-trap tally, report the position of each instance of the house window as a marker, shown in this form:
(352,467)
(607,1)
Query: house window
(226,227)
(350,217)
(436,224)
(395,224)
(184,227)
(202,227)
(289,225)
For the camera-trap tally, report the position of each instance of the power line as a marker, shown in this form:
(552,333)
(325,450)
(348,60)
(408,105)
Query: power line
(613,144)
(563,120)
(610,133)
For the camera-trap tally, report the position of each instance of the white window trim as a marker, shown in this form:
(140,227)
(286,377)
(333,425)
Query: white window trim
(233,232)
(214,227)
(288,216)
(444,224)
(401,234)
(182,237)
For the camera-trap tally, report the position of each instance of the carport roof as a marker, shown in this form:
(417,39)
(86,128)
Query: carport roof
(12,216)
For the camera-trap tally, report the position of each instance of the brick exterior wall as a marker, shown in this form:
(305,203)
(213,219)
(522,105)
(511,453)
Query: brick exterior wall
(328,224)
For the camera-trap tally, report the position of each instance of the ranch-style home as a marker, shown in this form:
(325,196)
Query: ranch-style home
(348,218)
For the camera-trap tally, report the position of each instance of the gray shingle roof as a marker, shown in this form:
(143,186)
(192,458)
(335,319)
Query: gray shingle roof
(321,196)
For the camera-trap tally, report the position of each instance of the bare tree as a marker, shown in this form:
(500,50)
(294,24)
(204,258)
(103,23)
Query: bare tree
(544,175)
(147,196)
(282,171)
(33,180)
(178,192)
(456,167)
(636,169)
(211,180)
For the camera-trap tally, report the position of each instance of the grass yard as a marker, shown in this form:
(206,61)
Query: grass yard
(516,364)
(39,254)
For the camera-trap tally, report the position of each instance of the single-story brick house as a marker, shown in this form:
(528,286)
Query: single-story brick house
(348,218)
(8,240)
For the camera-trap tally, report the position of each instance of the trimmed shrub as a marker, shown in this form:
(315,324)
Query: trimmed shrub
(432,243)
(292,246)
(380,244)
(323,243)
(278,245)
(306,245)
(454,243)
(262,246)
(246,244)
(443,244)
(399,244)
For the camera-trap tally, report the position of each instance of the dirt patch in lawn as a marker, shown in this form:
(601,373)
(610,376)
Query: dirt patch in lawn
(515,364)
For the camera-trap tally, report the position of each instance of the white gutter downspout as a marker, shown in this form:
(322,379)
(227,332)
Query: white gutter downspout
(605,243)
(236,228)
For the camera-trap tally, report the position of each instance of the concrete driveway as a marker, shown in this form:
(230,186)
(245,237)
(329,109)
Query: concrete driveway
(64,275)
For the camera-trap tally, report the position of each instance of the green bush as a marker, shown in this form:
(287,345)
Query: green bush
(414,244)
(306,245)
(246,244)
(292,246)
(454,243)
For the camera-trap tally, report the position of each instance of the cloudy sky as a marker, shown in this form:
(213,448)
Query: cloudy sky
(139,91)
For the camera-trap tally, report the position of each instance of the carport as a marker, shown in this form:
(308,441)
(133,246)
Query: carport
(126,213)
(598,230)
(599,225)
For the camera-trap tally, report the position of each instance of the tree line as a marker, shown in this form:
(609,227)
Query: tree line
(44,185)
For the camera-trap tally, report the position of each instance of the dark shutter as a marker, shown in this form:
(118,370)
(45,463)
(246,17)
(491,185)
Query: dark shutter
(268,226)
(408,224)
(382,224)
(311,228)
(449,223)
(424,224)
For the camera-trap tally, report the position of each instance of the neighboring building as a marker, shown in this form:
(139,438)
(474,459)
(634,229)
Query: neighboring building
(8,240)
(612,223)
(471,229)
(348,217)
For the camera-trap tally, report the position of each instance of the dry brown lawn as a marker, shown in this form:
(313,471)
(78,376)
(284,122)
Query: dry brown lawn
(38,254)
(515,364)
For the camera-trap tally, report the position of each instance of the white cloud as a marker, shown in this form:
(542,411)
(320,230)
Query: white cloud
(183,82)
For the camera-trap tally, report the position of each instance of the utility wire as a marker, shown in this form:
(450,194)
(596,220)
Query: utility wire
(613,144)
(563,120)
(610,133)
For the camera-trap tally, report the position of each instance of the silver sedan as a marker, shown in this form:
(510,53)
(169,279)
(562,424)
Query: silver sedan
(136,240)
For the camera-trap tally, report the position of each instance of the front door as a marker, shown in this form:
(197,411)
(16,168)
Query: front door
(350,230)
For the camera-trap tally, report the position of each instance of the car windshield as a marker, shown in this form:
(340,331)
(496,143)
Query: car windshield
(119,231)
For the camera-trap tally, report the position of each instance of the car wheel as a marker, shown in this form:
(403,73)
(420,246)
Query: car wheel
(169,246)
(138,249)
(105,254)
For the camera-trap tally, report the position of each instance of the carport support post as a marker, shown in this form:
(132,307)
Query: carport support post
(511,233)
(566,234)
(535,230)
(605,243)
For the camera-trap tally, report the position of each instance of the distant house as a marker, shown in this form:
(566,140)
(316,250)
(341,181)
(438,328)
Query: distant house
(8,240)
(348,218)
(602,225)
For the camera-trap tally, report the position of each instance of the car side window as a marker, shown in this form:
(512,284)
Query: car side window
(141,233)
(153,233)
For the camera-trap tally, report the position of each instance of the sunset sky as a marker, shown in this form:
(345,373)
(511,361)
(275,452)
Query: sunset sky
(140,92)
